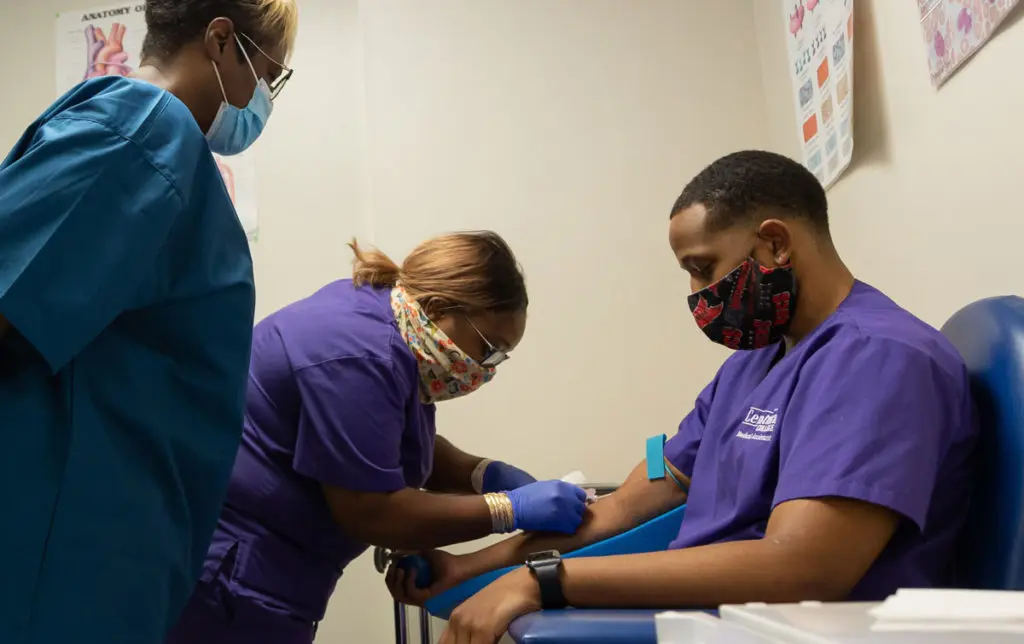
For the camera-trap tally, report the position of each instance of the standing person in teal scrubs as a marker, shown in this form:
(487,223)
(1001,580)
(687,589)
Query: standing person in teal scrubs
(126,310)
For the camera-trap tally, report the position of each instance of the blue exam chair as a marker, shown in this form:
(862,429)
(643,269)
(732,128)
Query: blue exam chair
(990,336)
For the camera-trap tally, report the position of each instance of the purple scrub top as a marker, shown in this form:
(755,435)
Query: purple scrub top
(332,399)
(873,405)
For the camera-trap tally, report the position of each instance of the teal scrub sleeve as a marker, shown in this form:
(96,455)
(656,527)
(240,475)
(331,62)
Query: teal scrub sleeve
(83,217)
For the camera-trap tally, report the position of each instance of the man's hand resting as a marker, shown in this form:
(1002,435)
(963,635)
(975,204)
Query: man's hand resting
(448,570)
(485,617)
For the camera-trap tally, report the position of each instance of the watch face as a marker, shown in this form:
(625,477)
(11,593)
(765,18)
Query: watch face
(542,556)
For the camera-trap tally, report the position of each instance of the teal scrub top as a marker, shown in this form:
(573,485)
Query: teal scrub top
(127,279)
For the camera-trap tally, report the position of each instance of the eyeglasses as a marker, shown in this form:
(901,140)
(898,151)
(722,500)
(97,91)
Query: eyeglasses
(282,78)
(495,356)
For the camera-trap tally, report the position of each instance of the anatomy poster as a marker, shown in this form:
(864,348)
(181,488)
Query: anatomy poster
(108,42)
(819,34)
(954,30)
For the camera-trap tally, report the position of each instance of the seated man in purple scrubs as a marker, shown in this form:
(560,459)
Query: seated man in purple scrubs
(339,438)
(827,460)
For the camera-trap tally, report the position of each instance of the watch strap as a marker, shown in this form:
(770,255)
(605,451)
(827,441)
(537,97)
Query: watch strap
(548,574)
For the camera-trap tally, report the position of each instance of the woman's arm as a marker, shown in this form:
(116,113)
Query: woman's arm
(409,519)
(453,469)
(457,472)
(351,423)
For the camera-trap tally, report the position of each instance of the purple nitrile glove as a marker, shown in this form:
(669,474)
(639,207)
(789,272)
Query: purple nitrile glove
(502,477)
(548,506)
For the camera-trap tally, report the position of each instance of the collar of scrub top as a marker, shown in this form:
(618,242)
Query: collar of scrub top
(286,71)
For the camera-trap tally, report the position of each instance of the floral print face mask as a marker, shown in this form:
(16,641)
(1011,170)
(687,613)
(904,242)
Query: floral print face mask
(446,371)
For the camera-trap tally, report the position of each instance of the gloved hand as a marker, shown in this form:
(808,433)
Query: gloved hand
(548,506)
(501,477)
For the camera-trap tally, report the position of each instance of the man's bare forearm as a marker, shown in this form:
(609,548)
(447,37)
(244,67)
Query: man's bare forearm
(813,549)
(636,501)
(708,576)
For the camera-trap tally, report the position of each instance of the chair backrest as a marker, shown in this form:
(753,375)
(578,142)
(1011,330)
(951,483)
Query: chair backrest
(990,336)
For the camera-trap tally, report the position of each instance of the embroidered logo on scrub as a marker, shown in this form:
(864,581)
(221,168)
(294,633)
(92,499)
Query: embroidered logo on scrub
(759,425)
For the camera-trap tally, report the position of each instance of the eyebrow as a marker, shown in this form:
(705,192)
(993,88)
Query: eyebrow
(690,258)
(500,344)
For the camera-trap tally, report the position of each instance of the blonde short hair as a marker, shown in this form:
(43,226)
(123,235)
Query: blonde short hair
(277,22)
(172,24)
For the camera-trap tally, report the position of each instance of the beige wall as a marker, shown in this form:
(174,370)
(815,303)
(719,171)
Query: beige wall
(569,127)
(930,210)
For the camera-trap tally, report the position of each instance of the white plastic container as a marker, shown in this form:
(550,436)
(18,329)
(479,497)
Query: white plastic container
(701,628)
(846,623)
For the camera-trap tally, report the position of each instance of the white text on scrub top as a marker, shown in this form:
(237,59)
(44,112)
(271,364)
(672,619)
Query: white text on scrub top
(762,421)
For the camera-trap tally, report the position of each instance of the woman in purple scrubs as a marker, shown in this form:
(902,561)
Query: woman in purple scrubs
(339,438)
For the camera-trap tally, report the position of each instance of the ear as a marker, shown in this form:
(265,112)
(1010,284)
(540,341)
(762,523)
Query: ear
(435,308)
(778,237)
(219,39)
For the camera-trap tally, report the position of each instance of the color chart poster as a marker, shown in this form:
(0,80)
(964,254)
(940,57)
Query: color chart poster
(819,34)
(107,41)
(954,30)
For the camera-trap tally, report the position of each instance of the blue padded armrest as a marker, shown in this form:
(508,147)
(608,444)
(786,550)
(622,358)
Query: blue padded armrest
(653,536)
(588,626)
(989,334)
(585,627)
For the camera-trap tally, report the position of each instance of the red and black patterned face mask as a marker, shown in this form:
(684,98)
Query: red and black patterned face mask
(749,308)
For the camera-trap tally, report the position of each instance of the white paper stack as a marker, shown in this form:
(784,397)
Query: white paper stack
(575,477)
(675,627)
(992,611)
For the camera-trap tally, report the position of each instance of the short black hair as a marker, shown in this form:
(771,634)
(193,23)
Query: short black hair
(734,187)
(172,24)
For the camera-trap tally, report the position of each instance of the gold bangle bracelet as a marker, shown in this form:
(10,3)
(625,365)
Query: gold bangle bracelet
(499,522)
(509,517)
(493,511)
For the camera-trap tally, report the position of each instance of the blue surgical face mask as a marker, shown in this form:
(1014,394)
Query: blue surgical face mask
(234,129)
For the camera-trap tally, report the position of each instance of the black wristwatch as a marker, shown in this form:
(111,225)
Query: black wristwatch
(546,567)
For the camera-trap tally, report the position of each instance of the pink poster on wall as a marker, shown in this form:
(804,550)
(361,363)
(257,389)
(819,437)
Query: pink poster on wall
(954,30)
(819,38)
